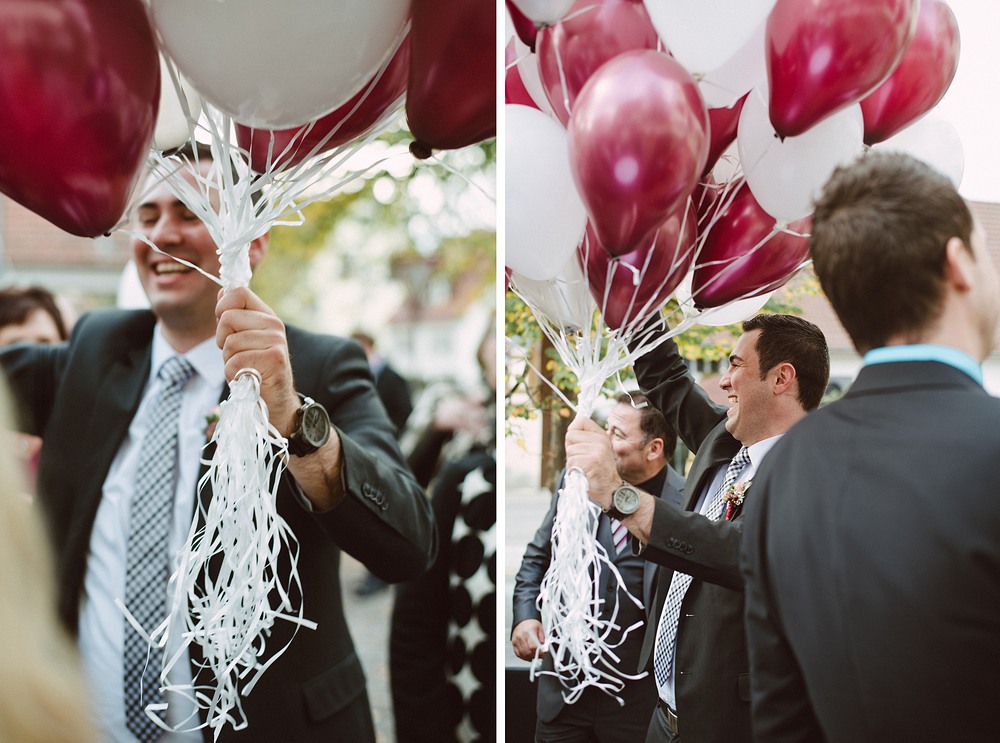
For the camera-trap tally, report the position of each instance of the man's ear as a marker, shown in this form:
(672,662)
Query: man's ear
(655,448)
(959,264)
(258,249)
(784,377)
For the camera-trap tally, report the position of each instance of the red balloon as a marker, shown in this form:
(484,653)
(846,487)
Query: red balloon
(451,94)
(723,123)
(347,122)
(593,32)
(741,255)
(922,77)
(79,93)
(638,140)
(524,27)
(642,280)
(823,55)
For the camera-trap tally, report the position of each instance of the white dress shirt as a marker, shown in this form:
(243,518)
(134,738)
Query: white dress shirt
(101,621)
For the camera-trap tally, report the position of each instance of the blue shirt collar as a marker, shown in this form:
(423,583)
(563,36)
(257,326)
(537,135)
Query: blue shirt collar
(926,352)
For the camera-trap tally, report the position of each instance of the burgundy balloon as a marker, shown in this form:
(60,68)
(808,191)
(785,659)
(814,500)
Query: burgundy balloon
(638,140)
(593,32)
(346,122)
(451,94)
(79,94)
(644,277)
(723,123)
(922,77)
(524,27)
(823,55)
(729,268)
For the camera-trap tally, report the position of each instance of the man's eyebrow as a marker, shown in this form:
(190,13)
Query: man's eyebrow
(734,357)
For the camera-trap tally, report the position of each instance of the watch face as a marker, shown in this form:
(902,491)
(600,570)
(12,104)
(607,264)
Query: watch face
(626,499)
(315,425)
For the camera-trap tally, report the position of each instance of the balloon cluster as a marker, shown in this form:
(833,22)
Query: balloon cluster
(667,142)
(88,86)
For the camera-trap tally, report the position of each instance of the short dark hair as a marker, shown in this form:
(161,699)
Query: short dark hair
(788,338)
(651,421)
(16,303)
(878,242)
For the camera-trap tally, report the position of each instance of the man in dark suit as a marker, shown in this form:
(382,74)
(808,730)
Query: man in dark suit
(89,398)
(872,547)
(778,371)
(642,445)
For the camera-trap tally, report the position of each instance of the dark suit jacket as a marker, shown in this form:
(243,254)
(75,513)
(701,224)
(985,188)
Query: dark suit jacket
(394,393)
(872,562)
(81,397)
(535,563)
(712,682)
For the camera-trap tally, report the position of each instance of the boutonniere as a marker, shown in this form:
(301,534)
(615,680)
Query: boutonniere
(211,421)
(734,495)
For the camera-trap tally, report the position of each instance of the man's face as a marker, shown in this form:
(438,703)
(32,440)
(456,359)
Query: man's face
(751,397)
(174,290)
(625,432)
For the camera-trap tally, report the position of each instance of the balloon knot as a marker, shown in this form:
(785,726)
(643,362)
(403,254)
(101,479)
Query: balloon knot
(420,151)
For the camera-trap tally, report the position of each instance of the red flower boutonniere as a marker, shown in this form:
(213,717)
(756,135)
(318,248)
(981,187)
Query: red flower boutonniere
(734,495)
(211,421)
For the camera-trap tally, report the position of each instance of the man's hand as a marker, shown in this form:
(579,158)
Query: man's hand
(251,335)
(526,637)
(589,449)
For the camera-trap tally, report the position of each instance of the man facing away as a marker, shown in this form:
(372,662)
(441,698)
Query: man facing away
(694,646)
(98,398)
(642,445)
(872,547)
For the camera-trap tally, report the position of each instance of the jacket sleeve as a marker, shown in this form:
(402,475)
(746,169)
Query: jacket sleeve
(664,378)
(534,564)
(32,371)
(384,519)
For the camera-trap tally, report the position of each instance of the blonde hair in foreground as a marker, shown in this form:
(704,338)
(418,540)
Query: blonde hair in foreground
(42,694)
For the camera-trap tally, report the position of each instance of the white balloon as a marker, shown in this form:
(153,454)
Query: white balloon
(508,27)
(545,216)
(278,64)
(934,141)
(544,11)
(703,34)
(786,176)
(527,68)
(565,299)
(172,127)
(727,314)
(130,294)
(746,69)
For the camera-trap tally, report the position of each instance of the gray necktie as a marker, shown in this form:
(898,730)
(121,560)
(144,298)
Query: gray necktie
(666,631)
(147,563)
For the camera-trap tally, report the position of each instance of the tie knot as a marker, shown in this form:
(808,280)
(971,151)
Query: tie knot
(175,371)
(742,458)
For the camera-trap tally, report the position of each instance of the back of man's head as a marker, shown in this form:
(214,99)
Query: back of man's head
(878,242)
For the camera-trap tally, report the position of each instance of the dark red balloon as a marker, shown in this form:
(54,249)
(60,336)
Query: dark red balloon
(823,55)
(451,97)
(922,77)
(347,122)
(642,280)
(723,123)
(638,140)
(524,27)
(742,256)
(592,32)
(79,93)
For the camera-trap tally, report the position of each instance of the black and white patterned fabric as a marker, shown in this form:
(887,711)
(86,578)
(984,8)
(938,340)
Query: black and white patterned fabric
(147,562)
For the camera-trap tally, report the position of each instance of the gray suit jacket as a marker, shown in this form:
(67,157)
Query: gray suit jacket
(712,681)
(81,397)
(872,564)
(639,578)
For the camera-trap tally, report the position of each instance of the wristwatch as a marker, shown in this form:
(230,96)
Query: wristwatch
(312,428)
(624,502)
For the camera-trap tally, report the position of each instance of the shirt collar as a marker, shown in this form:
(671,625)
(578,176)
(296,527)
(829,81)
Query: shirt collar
(758,451)
(926,352)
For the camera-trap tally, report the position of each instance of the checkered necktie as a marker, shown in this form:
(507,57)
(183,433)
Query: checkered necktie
(666,631)
(147,562)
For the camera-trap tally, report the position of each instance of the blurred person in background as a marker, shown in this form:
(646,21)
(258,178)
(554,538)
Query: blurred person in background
(443,640)
(30,314)
(42,693)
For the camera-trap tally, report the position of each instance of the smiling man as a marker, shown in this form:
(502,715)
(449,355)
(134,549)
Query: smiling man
(695,646)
